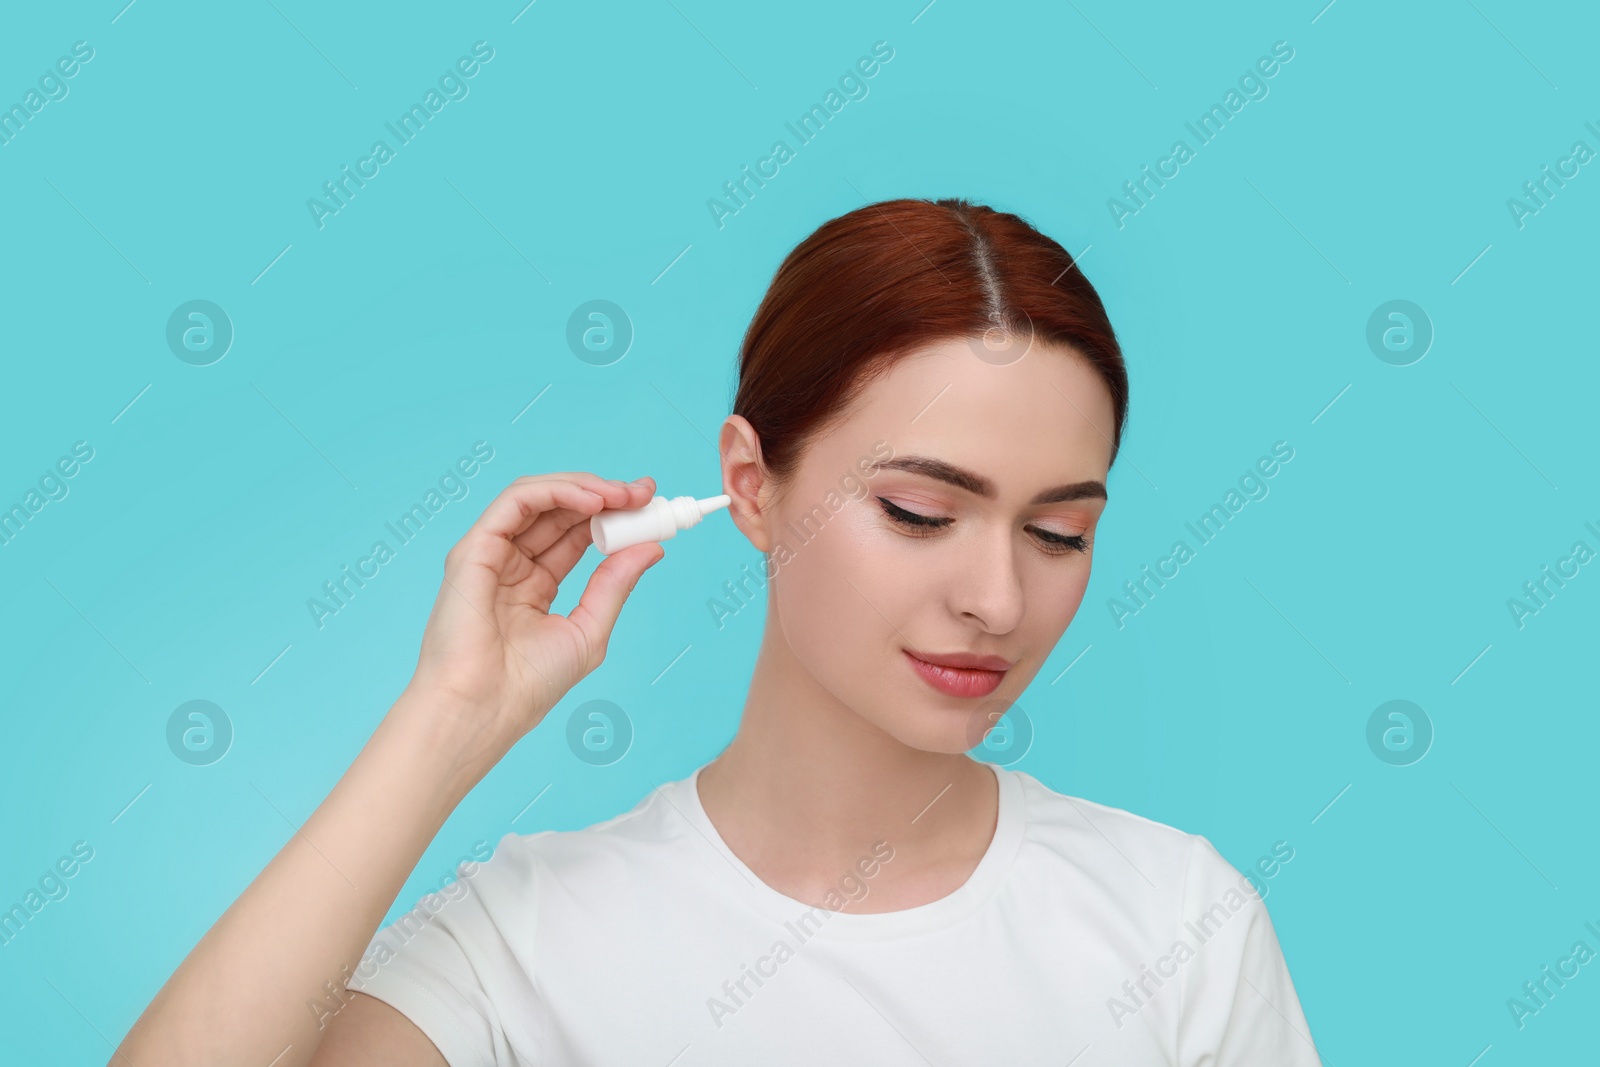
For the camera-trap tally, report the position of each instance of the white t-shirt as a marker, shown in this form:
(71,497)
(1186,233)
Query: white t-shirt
(1086,935)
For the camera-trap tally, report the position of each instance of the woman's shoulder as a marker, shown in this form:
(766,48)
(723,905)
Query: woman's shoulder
(1118,843)
(651,829)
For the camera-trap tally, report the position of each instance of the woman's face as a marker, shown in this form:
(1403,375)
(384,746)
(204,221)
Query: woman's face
(916,526)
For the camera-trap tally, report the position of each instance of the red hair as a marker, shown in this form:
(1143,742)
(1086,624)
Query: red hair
(889,278)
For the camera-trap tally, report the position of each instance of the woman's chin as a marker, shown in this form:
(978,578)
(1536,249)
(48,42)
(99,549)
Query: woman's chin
(933,728)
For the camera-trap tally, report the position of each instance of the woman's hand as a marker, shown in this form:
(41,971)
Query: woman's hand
(492,654)
(494,661)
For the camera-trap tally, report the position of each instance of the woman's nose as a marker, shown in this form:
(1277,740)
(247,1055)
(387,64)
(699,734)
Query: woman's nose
(988,588)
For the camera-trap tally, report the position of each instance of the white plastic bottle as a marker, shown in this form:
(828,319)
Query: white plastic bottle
(617,528)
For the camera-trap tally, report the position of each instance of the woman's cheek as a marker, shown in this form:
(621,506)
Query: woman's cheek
(1068,596)
(818,601)
(866,570)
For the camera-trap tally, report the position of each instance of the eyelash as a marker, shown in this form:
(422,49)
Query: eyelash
(1057,544)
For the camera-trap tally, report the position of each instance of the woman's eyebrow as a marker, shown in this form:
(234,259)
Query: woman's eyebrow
(977,484)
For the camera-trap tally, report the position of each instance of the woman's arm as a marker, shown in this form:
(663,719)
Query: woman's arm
(255,982)
(256,989)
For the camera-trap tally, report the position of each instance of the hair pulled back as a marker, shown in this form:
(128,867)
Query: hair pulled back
(889,278)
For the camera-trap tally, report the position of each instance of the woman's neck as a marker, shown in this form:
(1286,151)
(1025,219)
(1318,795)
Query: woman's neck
(807,788)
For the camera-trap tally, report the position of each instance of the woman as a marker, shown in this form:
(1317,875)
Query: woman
(930,398)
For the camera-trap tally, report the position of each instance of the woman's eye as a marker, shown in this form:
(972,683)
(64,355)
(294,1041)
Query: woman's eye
(1064,542)
(1055,544)
(911,518)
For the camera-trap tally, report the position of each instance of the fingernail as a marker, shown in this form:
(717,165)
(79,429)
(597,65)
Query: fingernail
(640,481)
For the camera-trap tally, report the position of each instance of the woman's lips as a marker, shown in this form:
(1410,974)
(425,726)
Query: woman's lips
(957,681)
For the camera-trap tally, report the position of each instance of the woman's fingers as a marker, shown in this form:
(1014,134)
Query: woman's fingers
(554,528)
(560,501)
(608,588)
(559,558)
(522,502)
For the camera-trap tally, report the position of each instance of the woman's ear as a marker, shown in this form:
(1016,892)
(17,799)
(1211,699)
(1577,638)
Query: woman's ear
(745,479)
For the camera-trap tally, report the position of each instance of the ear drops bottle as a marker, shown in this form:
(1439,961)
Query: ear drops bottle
(617,528)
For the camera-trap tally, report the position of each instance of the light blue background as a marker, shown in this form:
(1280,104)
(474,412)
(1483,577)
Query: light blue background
(430,311)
